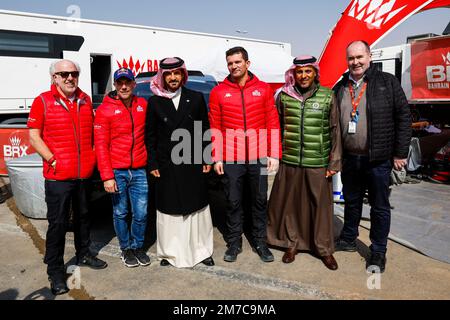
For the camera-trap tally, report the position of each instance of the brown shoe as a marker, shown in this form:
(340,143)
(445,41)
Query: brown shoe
(289,255)
(330,262)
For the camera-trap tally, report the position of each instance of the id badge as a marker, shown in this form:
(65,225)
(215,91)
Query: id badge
(352,127)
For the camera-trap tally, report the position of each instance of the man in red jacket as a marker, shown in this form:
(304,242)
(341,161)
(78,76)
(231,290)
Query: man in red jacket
(246,144)
(60,123)
(119,131)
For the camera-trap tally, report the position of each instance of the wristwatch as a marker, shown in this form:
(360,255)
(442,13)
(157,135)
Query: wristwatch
(51,160)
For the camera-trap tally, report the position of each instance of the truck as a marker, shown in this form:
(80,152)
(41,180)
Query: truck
(29,43)
(422,65)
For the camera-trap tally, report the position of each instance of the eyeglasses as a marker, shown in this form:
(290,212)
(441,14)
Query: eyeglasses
(65,74)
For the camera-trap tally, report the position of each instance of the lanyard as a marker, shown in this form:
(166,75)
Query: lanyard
(355,103)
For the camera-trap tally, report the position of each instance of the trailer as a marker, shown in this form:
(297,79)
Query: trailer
(29,43)
(422,66)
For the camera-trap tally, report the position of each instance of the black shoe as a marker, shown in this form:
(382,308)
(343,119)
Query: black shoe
(231,253)
(92,262)
(2,198)
(208,262)
(164,263)
(58,285)
(264,253)
(376,262)
(142,258)
(129,259)
(342,245)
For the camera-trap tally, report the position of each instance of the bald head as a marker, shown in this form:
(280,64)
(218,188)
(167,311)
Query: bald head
(358,58)
(360,42)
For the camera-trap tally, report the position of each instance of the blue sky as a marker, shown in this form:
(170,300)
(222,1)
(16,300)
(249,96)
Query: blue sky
(304,24)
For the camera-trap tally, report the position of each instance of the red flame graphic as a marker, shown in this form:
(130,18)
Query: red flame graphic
(130,64)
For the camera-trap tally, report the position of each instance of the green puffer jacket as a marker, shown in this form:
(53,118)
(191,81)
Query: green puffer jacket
(306,130)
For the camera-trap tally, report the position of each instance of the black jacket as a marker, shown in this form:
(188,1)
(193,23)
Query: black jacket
(389,117)
(181,189)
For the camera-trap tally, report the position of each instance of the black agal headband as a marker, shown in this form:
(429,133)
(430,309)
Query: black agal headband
(172,63)
(304,61)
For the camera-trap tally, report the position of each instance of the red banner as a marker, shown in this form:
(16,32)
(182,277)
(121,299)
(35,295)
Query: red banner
(430,69)
(367,20)
(437,4)
(14,143)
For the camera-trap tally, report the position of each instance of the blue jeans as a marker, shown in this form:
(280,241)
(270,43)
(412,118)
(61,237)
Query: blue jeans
(133,189)
(359,174)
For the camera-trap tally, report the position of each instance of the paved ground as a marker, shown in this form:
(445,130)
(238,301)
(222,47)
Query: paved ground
(409,275)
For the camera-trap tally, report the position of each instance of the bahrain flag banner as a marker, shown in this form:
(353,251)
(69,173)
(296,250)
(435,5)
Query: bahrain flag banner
(368,20)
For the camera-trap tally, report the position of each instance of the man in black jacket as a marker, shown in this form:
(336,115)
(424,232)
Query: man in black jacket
(376,132)
(177,142)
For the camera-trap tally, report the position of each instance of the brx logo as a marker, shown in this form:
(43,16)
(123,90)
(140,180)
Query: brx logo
(14,149)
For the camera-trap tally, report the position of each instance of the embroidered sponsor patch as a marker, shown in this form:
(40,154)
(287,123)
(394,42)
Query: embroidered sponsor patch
(256,93)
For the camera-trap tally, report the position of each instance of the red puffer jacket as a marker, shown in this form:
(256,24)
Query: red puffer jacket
(119,135)
(235,111)
(68,137)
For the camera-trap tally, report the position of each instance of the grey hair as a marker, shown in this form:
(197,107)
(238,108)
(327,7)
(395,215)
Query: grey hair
(52,68)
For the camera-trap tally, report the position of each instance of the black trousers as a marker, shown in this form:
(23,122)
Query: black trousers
(59,195)
(234,181)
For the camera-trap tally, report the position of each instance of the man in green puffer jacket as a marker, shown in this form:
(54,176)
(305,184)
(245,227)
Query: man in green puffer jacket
(301,201)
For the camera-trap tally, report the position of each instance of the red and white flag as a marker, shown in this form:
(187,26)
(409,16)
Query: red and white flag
(368,20)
